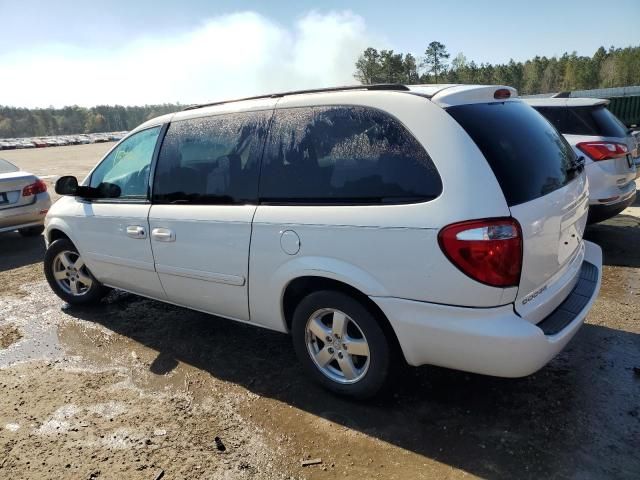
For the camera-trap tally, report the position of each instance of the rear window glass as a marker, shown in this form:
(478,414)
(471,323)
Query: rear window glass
(6,167)
(598,121)
(345,155)
(608,123)
(527,155)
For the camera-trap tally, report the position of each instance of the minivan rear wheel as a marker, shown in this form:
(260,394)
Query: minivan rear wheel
(341,344)
(69,277)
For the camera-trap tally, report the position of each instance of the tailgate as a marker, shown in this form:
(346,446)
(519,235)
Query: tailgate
(553,249)
(545,191)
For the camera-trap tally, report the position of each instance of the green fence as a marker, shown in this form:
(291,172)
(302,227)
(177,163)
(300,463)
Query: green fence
(626,109)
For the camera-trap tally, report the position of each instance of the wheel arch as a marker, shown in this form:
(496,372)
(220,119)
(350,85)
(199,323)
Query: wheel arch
(299,287)
(57,229)
(56,234)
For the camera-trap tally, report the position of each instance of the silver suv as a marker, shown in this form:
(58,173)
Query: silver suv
(607,145)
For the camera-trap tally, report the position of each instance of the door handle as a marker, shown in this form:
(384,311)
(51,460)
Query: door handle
(136,231)
(163,235)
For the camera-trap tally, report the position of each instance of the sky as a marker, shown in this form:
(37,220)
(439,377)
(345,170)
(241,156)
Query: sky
(134,52)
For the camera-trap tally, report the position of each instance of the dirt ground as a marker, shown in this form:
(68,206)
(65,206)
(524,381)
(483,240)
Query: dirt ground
(137,389)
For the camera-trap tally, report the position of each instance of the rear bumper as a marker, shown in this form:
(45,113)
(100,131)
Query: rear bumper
(492,341)
(599,213)
(27,216)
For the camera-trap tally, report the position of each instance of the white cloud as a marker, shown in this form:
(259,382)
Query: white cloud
(228,56)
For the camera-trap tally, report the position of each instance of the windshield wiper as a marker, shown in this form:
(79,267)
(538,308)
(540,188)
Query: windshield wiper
(577,165)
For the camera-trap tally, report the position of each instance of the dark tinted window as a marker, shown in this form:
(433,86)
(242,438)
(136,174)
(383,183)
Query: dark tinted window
(527,155)
(211,160)
(345,155)
(557,117)
(608,123)
(6,167)
(597,121)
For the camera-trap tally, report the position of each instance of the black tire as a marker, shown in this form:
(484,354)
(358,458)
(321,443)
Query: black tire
(93,295)
(31,231)
(380,351)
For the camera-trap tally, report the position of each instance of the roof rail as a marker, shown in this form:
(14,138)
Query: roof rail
(376,86)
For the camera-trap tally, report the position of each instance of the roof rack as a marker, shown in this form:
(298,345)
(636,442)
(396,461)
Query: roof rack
(376,86)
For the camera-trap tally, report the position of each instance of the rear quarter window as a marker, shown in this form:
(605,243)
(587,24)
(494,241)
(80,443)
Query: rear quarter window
(528,156)
(344,155)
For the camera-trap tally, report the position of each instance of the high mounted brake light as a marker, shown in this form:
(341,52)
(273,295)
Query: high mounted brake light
(502,94)
(489,251)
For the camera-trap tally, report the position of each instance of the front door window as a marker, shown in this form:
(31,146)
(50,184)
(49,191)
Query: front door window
(124,173)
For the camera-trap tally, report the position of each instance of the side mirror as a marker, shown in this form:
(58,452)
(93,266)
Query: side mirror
(67,185)
(108,190)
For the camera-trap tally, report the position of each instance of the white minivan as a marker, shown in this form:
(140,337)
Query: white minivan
(436,224)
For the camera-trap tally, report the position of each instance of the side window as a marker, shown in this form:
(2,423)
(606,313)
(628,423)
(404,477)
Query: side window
(127,167)
(344,154)
(211,160)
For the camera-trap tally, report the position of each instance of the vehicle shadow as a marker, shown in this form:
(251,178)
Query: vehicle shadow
(18,251)
(565,421)
(619,238)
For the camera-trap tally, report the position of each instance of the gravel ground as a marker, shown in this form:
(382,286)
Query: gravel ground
(135,389)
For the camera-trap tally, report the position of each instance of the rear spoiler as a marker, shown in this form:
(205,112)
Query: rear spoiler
(597,101)
(465,94)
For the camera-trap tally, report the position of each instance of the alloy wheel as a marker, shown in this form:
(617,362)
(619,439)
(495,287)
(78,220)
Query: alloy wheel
(71,274)
(337,345)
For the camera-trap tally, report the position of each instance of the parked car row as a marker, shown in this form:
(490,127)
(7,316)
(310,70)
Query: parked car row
(57,141)
(431,224)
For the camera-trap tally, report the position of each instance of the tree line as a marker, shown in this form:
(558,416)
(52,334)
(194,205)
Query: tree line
(615,67)
(39,122)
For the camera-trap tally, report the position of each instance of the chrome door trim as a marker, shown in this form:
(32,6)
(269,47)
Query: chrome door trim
(224,278)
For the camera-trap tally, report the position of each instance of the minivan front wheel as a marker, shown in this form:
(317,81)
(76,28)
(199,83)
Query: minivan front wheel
(69,277)
(341,344)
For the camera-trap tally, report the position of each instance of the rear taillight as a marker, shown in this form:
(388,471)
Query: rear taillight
(489,251)
(34,188)
(603,150)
